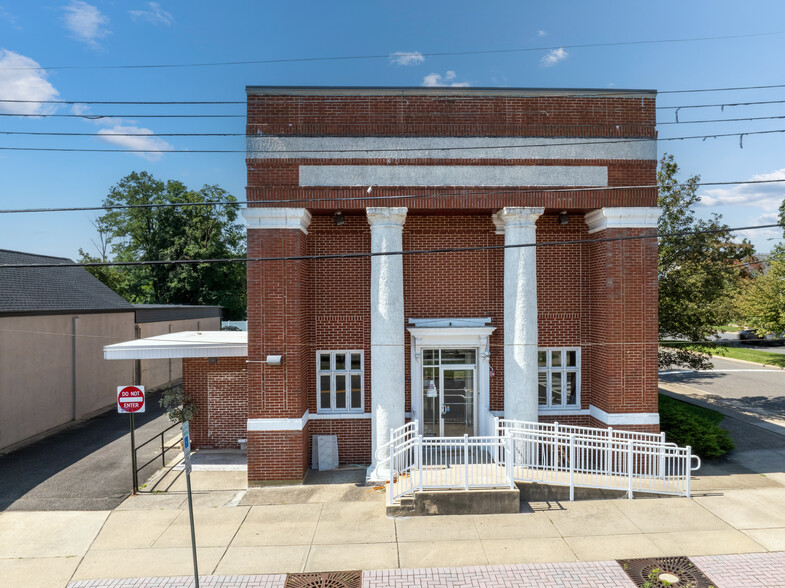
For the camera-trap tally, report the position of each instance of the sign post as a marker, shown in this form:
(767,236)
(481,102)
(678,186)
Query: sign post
(187,456)
(130,399)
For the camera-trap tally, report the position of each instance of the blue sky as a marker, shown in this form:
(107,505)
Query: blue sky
(108,33)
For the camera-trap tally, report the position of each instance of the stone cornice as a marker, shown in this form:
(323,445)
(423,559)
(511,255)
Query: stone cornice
(632,217)
(277,218)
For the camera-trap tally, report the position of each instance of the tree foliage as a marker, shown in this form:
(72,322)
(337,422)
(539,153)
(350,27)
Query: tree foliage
(150,233)
(762,298)
(699,268)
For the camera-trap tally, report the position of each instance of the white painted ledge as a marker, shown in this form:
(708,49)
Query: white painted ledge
(624,418)
(277,218)
(299,424)
(632,217)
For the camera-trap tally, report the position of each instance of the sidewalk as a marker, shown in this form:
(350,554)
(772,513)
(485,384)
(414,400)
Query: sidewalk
(251,537)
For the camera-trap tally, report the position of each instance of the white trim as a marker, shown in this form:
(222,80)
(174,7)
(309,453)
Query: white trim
(545,411)
(631,217)
(278,424)
(299,424)
(453,175)
(624,418)
(272,147)
(449,322)
(277,218)
(338,416)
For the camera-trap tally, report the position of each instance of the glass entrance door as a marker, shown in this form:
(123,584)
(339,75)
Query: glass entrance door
(449,392)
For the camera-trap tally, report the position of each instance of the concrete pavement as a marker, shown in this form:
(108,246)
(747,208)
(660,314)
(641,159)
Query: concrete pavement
(327,527)
(252,537)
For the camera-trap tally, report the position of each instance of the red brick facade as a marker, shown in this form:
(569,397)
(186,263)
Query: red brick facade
(601,297)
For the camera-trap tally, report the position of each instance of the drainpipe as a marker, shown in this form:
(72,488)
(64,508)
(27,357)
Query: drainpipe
(74,323)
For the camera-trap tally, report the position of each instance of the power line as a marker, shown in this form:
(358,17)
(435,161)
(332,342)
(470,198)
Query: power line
(100,116)
(357,255)
(240,102)
(392,55)
(369,198)
(739,134)
(75,134)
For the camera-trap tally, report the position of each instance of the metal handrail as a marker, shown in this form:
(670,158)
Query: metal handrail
(561,455)
(162,455)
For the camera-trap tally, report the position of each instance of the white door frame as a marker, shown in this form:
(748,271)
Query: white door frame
(444,337)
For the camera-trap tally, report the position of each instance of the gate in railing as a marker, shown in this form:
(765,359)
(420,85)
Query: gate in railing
(578,457)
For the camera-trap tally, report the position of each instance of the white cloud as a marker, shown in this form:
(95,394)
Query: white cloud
(407,58)
(767,197)
(10,18)
(156,15)
(24,84)
(142,140)
(553,57)
(85,22)
(434,80)
(79,108)
(542,33)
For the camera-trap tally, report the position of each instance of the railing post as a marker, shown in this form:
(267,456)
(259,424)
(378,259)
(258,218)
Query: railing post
(630,457)
(688,469)
(498,434)
(609,452)
(661,465)
(163,454)
(392,450)
(466,460)
(510,462)
(572,467)
(419,461)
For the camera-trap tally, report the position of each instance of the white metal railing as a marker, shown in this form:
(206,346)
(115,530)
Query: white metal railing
(450,463)
(578,457)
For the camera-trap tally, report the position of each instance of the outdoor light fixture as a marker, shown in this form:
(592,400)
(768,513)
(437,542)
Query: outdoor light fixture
(274,359)
(338,218)
(563,217)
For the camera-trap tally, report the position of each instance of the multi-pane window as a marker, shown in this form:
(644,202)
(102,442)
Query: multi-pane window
(558,377)
(339,381)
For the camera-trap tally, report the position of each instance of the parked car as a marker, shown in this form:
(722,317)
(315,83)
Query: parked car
(751,337)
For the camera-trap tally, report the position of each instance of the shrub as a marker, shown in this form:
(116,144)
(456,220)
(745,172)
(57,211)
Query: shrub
(179,406)
(686,424)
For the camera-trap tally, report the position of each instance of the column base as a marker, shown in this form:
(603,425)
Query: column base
(377,473)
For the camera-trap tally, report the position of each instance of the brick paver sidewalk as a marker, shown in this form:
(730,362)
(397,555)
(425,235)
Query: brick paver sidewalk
(752,570)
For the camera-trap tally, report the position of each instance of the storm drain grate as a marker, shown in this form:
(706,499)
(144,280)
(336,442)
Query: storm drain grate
(325,580)
(659,572)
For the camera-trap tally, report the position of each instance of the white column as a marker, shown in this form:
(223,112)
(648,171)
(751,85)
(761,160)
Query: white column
(520,312)
(387,330)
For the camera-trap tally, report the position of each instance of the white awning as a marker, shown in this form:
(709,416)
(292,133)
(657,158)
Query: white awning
(183,344)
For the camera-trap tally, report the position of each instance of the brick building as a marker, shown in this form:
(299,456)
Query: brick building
(557,332)
(564,331)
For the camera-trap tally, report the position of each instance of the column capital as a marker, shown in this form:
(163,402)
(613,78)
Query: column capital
(277,218)
(516,216)
(627,217)
(385,216)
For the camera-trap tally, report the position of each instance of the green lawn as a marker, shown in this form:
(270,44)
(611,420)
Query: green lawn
(729,328)
(698,427)
(748,354)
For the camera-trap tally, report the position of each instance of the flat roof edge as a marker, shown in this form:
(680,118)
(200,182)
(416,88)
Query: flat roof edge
(439,91)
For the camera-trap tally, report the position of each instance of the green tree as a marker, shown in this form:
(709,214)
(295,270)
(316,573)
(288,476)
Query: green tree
(762,298)
(699,268)
(157,233)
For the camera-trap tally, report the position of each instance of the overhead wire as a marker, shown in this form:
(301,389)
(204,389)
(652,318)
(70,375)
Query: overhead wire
(364,254)
(114,134)
(368,197)
(399,149)
(392,55)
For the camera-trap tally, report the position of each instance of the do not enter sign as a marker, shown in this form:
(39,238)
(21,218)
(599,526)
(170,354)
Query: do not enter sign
(130,399)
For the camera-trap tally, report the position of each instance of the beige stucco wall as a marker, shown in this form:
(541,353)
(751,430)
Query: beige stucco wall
(37,361)
(158,372)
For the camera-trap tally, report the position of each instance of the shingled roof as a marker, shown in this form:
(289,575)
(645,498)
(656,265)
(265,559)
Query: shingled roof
(52,290)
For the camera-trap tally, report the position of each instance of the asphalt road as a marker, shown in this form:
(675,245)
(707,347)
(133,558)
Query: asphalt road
(85,467)
(757,387)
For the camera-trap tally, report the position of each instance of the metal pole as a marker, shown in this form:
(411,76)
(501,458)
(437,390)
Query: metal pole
(630,467)
(466,460)
(572,467)
(193,534)
(134,474)
(163,453)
